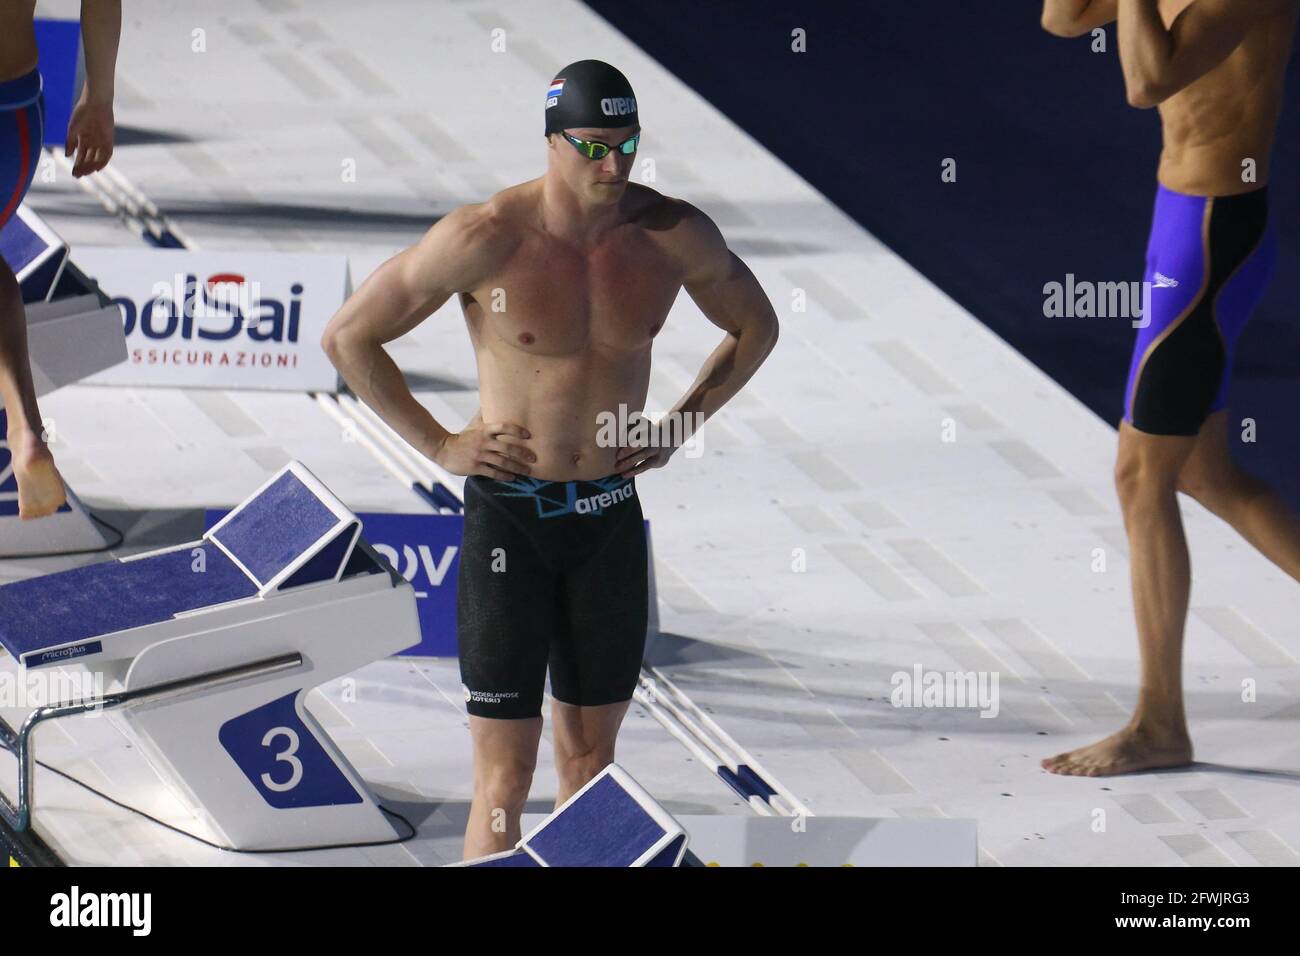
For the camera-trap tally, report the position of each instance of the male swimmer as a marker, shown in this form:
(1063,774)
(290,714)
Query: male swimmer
(1215,69)
(22,130)
(564,282)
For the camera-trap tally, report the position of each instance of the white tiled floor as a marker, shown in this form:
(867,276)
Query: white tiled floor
(970,554)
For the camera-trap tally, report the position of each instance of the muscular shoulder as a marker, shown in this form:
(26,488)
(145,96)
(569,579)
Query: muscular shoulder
(514,208)
(472,241)
(486,225)
(681,229)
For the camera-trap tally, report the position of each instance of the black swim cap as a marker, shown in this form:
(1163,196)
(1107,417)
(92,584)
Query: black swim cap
(589,93)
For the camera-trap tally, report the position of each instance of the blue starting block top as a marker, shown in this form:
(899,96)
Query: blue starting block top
(83,603)
(290,532)
(35,253)
(612,821)
(282,522)
(609,827)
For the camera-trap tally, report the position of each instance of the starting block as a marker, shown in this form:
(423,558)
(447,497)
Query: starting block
(73,331)
(612,821)
(35,252)
(206,652)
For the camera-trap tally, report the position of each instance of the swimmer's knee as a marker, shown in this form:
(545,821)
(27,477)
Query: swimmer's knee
(576,768)
(1129,476)
(505,784)
(1138,481)
(579,764)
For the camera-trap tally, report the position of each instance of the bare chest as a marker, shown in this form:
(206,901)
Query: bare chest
(555,299)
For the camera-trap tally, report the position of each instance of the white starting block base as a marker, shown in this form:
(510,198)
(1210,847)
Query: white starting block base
(70,339)
(79,826)
(84,829)
(283,591)
(66,341)
(68,531)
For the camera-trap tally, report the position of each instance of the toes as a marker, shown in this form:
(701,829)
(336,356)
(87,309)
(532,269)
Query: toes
(1061,763)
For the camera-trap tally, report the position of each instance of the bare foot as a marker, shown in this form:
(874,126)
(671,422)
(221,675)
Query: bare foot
(40,486)
(1128,751)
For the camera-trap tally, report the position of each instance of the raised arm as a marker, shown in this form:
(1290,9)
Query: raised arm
(453,256)
(1158,62)
(1073,18)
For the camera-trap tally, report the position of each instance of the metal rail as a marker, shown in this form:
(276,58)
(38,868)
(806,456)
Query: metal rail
(23,746)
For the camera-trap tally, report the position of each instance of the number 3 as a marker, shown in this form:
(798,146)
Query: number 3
(285,755)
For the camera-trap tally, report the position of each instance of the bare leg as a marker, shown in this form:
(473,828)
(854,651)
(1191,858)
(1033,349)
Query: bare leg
(40,487)
(1146,476)
(1252,508)
(584,742)
(505,756)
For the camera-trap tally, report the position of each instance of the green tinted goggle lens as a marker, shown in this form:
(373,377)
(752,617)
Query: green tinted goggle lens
(594,150)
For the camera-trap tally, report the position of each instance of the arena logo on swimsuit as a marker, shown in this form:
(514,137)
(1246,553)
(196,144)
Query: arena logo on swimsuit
(225,297)
(594,504)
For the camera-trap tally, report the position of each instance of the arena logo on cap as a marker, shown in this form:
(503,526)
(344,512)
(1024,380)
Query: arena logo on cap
(553,94)
(618,105)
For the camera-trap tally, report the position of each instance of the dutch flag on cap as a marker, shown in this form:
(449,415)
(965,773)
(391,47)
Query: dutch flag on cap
(557,87)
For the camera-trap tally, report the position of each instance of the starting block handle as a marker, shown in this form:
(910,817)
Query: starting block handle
(23,744)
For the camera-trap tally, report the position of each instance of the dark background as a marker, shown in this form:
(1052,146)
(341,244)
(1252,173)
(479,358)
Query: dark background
(1055,172)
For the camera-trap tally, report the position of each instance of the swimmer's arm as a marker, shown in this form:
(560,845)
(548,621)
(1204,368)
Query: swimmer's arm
(397,297)
(731,298)
(101,29)
(90,128)
(1074,18)
(1159,62)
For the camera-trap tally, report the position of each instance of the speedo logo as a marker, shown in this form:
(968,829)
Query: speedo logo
(618,105)
(594,503)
